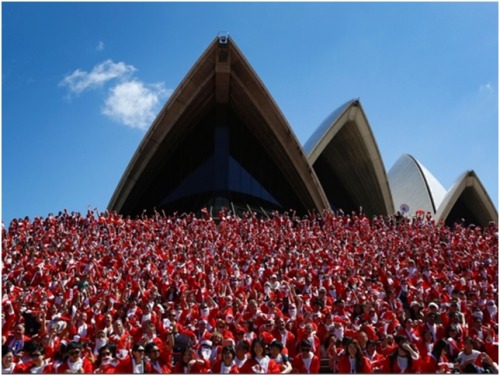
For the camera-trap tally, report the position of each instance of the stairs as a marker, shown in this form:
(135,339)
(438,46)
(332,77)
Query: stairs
(325,365)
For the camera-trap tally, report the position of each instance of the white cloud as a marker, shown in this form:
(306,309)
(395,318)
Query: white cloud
(79,81)
(486,88)
(129,100)
(133,103)
(100,46)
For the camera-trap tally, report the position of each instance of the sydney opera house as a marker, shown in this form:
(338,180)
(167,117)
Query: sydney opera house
(221,141)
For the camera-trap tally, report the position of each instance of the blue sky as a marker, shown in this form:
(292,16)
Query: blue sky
(81,82)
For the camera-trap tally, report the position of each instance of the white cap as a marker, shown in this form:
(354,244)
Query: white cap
(206,342)
(121,354)
(432,304)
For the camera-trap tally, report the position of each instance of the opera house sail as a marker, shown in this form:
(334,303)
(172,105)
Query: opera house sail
(221,141)
(345,156)
(415,188)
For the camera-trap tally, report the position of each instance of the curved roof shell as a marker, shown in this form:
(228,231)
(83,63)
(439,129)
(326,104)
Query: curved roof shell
(413,187)
(347,161)
(222,107)
(468,201)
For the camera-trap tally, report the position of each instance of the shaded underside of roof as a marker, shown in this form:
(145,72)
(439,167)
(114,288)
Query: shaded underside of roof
(348,163)
(467,202)
(219,138)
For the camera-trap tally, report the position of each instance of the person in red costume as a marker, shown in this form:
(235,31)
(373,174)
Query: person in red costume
(437,360)
(275,353)
(403,360)
(8,363)
(120,336)
(259,362)
(306,361)
(353,360)
(226,364)
(39,363)
(376,360)
(158,365)
(189,363)
(105,362)
(75,363)
(135,363)
(16,341)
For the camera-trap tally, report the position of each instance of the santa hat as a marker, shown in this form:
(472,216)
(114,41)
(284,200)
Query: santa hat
(206,342)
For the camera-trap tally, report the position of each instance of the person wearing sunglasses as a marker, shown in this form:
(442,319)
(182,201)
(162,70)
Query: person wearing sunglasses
(154,355)
(136,363)
(75,362)
(306,361)
(106,361)
(39,364)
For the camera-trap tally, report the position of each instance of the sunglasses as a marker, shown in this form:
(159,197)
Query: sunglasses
(305,348)
(75,352)
(106,353)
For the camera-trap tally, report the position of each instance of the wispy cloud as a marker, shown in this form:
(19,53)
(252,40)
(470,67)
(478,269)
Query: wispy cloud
(100,46)
(133,103)
(129,101)
(486,88)
(79,81)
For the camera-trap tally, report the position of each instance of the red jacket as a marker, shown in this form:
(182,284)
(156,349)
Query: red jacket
(159,367)
(86,366)
(106,368)
(391,366)
(127,366)
(196,368)
(290,344)
(432,365)
(344,365)
(216,367)
(249,365)
(299,366)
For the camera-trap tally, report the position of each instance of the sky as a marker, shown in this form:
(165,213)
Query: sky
(82,82)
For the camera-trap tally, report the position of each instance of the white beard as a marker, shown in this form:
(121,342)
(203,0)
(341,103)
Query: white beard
(205,353)
(492,310)
(339,333)
(100,343)
(106,361)
(204,313)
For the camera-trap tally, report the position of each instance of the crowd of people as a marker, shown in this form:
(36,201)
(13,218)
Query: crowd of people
(104,293)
